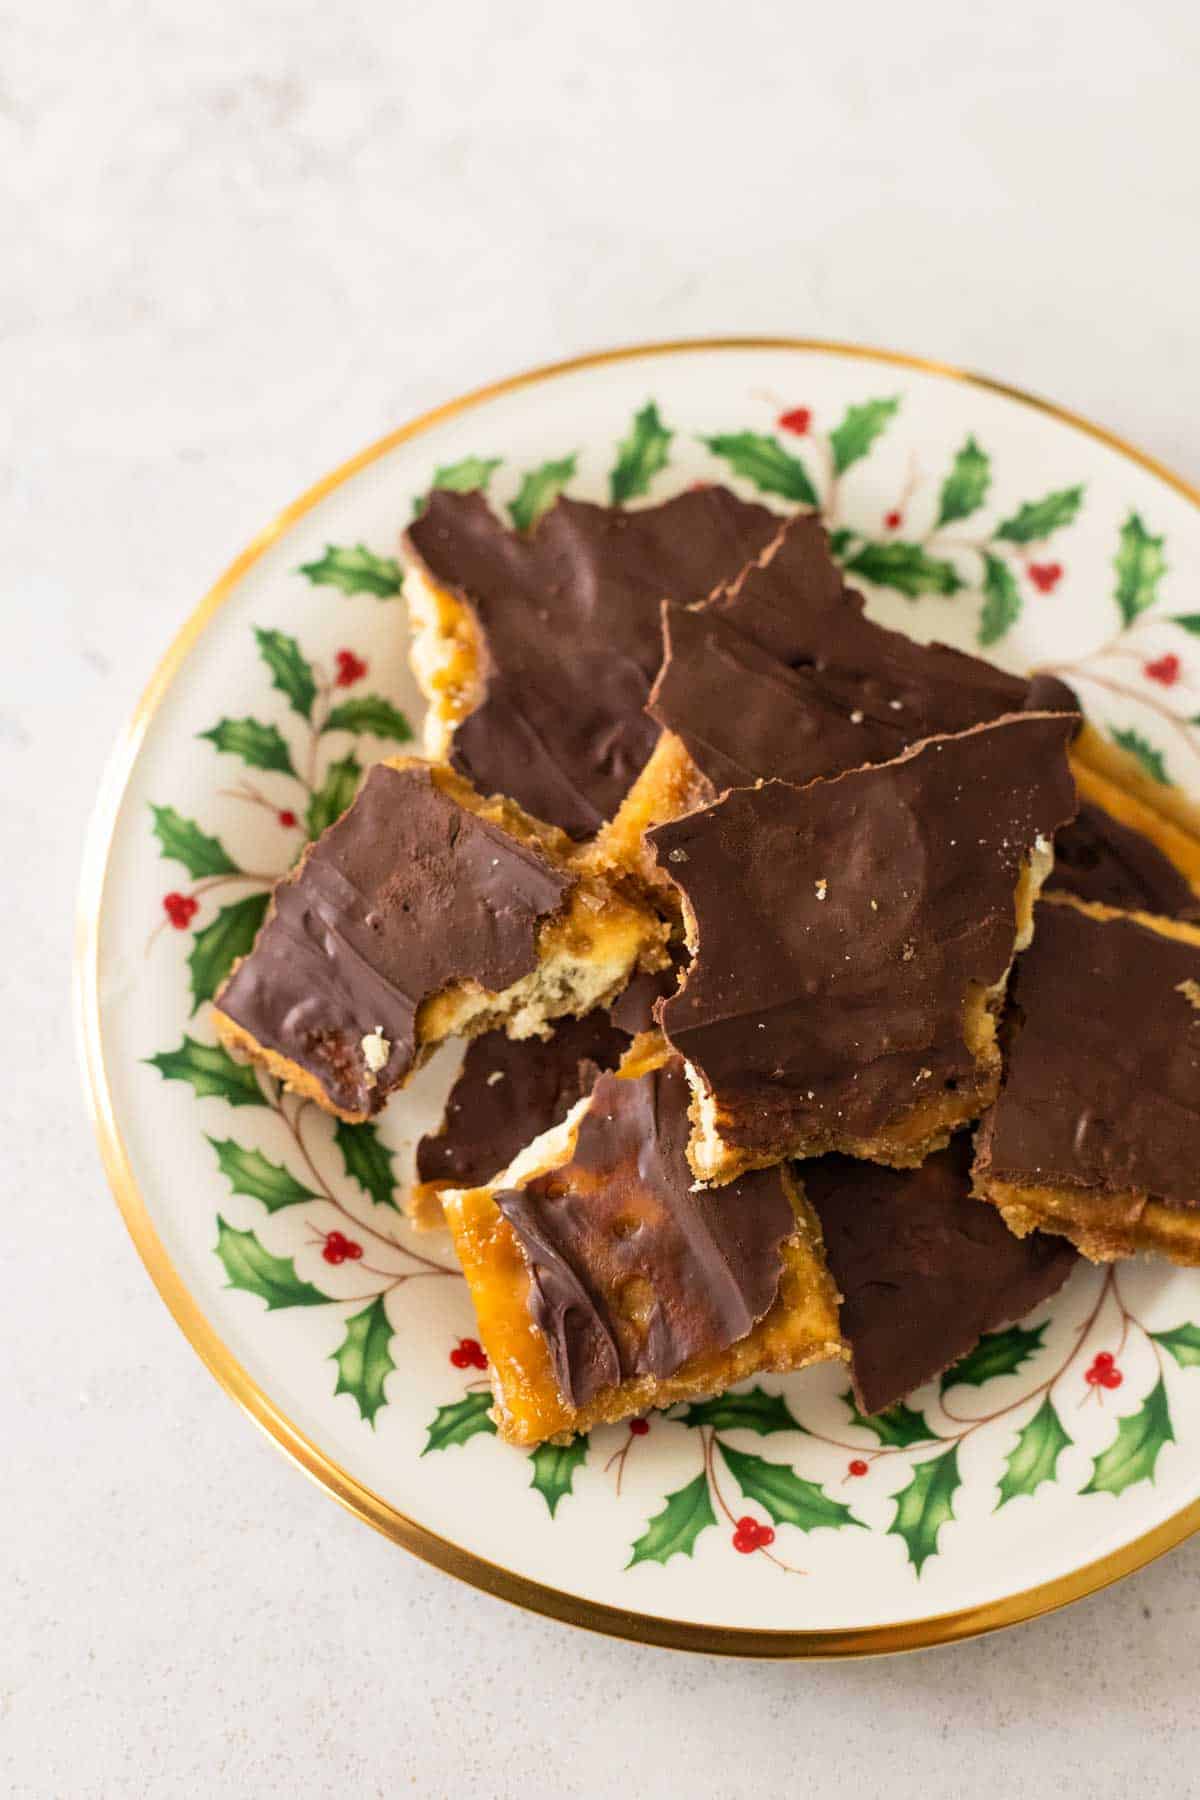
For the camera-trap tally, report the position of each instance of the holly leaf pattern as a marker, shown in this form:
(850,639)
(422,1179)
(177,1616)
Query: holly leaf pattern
(996,1353)
(1140,565)
(539,490)
(851,439)
(334,795)
(966,486)
(1034,1459)
(181,840)
(211,1071)
(290,672)
(370,712)
(898,1427)
(925,1505)
(259,746)
(673,1531)
(1001,600)
(1133,1455)
(250,1172)
(364,1359)
(1153,761)
(353,569)
(460,1421)
(641,453)
(766,463)
(367,1160)
(908,568)
(469,476)
(254,1269)
(1189,621)
(1036,519)
(1183,1343)
(756,1411)
(788,1497)
(554,1467)
(218,946)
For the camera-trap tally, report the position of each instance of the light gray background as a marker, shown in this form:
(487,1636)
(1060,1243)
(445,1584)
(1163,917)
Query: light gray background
(241,239)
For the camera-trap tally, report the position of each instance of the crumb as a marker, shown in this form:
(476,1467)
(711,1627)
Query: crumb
(677,856)
(1191,992)
(856,718)
(495,1076)
(874,906)
(376,1050)
(897,705)
(908,952)
(822,887)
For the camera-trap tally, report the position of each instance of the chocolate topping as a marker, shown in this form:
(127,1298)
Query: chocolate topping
(569,618)
(1102,1084)
(631,1273)
(508,1093)
(839,927)
(633,1010)
(924,1270)
(794,604)
(405,894)
(1101,859)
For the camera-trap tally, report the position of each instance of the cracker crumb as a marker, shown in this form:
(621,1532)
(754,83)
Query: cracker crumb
(1190,990)
(922,1075)
(376,1050)
(495,1076)
(897,706)
(874,906)
(908,952)
(677,856)
(822,887)
(856,718)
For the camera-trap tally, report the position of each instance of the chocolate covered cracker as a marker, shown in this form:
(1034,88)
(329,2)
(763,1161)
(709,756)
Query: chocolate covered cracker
(537,651)
(851,942)
(424,912)
(1120,853)
(1096,1130)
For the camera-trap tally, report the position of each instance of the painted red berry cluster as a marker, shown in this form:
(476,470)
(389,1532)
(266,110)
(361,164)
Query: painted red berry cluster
(469,1353)
(857,1467)
(798,419)
(288,819)
(749,1535)
(1104,1372)
(1045,576)
(350,668)
(639,1427)
(1165,669)
(339,1249)
(181,909)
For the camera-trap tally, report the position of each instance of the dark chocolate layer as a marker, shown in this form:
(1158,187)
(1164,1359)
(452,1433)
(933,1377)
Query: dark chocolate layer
(839,926)
(1102,1079)
(631,1273)
(923,1269)
(569,619)
(405,894)
(1101,859)
(633,1010)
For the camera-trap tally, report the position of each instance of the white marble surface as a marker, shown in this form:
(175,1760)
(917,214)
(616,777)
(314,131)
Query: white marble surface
(239,241)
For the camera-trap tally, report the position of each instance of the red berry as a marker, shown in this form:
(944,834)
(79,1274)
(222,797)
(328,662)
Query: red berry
(1104,1359)
(639,1427)
(352,1250)
(1167,670)
(460,1359)
(469,1354)
(1111,1378)
(287,818)
(747,1525)
(858,1466)
(1045,576)
(766,1535)
(798,420)
(1091,1376)
(745,1541)
(332,1254)
(350,668)
(181,909)
(893,520)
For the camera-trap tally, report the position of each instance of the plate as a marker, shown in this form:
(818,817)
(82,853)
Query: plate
(1033,1474)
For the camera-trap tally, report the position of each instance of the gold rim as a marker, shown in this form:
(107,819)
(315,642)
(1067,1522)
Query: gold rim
(941,1628)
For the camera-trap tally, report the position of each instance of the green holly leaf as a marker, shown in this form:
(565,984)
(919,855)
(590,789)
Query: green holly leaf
(997,1353)
(859,427)
(1034,1458)
(1133,1455)
(906,567)
(1189,621)
(182,841)
(273,1278)
(965,487)
(370,712)
(756,1411)
(1036,519)
(367,1160)
(766,463)
(840,542)
(673,1531)
(641,453)
(462,1420)
(334,794)
(259,746)
(1140,565)
(290,673)
(364,1359)
(218,946)
(1001,600)
(554,1467)
(211,1071)
(249,1172)
(788,1497)
(1183,1343)
(925,1505)
(466,477)
(898,1427)
(1152,760)
(539,489)
(353,569)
